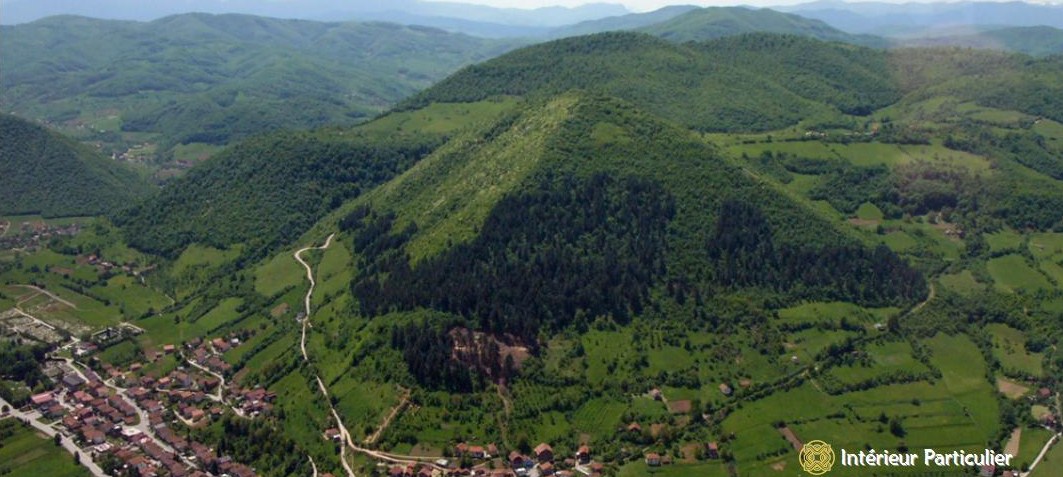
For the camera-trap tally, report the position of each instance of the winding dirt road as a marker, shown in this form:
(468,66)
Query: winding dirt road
(310,292)
(345,435)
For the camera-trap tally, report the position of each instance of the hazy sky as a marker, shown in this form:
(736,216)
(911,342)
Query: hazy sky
(647,5)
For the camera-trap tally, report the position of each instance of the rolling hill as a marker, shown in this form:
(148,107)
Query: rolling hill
(717,22)
(712,86)
(44,173)
(211,79)
(1034,41)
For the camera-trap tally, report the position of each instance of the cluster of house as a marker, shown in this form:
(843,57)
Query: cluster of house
(31,234)
(108,424)
(541,462)
(207,353)
(1045,396)
(105,266)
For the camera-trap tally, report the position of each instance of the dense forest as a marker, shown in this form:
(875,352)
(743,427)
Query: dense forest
(42,172)
(268,190)
(745,254)
(569,248)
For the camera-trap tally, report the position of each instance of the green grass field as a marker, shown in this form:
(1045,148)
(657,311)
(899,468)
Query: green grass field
(1032,441)
(885,358)
(440,118)
(26,453)
(1009,347)
(280,272)
(833,312)
(959,411)
(963,283)
(868,211)
(1004,240)
(1012,274)
(1051,463)
(706,469)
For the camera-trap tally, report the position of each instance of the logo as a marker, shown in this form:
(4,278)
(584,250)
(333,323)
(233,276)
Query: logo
(817,457)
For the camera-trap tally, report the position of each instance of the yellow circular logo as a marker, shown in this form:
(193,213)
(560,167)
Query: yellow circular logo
(817,457)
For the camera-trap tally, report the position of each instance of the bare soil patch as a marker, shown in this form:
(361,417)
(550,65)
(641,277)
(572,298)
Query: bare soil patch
(1011,389)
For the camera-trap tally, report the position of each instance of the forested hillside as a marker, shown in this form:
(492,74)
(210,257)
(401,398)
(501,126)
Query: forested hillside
(713,86)
(212,79)
(42,172)
(717,22)
(266,191)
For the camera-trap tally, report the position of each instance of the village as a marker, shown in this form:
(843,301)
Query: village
(135,422)
(30,235)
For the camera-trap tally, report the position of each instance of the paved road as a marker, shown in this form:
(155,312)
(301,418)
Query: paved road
(68,444)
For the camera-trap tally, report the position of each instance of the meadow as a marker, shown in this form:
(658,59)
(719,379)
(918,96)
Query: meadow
(26,453)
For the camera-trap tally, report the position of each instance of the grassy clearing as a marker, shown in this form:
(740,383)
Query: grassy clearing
(26,453)
(1009,347)
(1012,274)
(194,152)
(884,358)
(869,211)
(279,273)
(963,283)
(833,312)
(1004,240)
(441,118)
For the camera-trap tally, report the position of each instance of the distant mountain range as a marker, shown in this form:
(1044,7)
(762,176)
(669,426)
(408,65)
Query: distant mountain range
(1036,41)
(398,11)
(891,18)
(208,79)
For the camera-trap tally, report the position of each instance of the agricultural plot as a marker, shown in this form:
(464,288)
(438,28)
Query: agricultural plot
(1004,241)
(598,417)
(1012,274)
(182,326)
(959,411)
(833,313)
(884,359)
(279,273)
(963,283)
(1011,389)
(1051,463)
(640,469)
(363,403)
(1032,441)
(131,296)
(1009,347)
(26,453)
(333,273)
